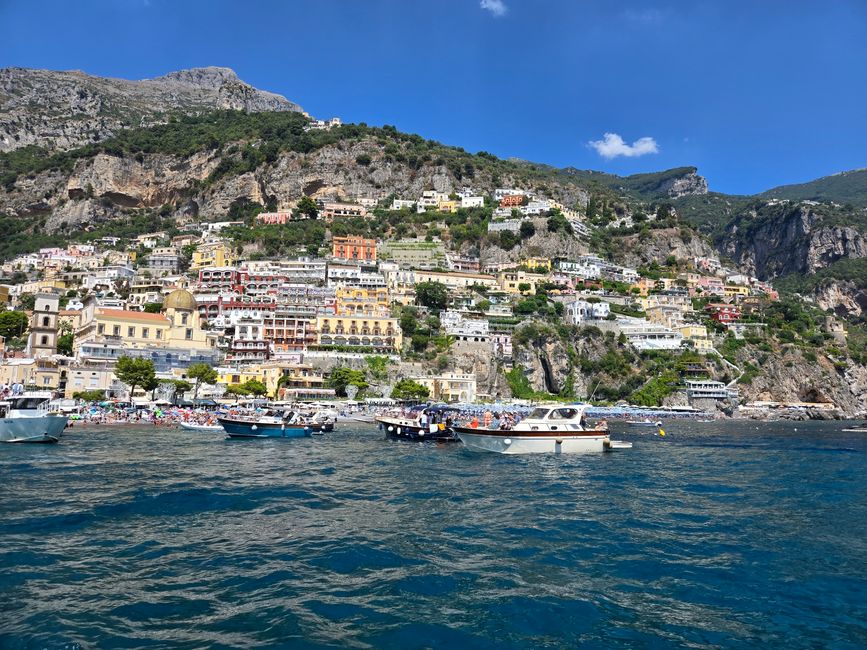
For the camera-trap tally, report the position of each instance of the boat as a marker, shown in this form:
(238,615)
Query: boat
(645,423)
(202,428)
(859,428)
(554,429)
(270,425)
(28,418)
(431,423)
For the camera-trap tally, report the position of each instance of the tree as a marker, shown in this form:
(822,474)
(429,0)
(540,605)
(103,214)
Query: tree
(153,307)
(527,229)
(378,367)
(135,373)
(342,376)
(308,207)
(238,390)
(64,344)
(255,387)
(363,159)
(432,294)
(203,374)
(524,287)
(89,395)
(26,301)
(409,389)
(12,323)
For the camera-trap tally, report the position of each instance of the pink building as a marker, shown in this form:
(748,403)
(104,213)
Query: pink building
(273,218)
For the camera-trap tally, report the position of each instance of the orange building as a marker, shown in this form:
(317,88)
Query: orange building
(511,201)
(354,247)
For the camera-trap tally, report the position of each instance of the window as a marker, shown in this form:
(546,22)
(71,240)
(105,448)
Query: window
(159,334)
(45,321)
(189,335)
(145,332)
(116,330)
(130,332)
(100,329)
(44,340)
(184,319)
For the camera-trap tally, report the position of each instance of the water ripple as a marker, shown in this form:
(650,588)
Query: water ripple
(712,537)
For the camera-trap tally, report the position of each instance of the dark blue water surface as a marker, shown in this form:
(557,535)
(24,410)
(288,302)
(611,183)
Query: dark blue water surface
(717,535)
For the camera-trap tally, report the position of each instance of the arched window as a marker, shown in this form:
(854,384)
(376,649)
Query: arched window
(44,340)
(45,321)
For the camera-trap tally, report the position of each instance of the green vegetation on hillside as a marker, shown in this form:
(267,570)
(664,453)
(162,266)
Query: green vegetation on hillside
(846,187)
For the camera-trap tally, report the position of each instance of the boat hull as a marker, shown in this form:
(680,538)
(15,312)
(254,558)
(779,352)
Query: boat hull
(533,442)
(260,429)
(45,429)
(398,429)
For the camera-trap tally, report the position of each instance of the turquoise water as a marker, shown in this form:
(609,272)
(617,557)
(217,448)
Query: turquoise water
(714,536)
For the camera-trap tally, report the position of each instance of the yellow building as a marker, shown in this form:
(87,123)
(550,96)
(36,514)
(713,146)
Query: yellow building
(271,374)
(450,387)
(177,327)
(362,302)
(698,335)
(447,206)
(212,254)
(37,374)
(83,378)
(456,279)
(736,290)
(538,263)
(510,281)
(378,332)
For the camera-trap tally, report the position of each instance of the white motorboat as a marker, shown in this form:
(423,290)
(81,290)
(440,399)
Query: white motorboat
(645,423)
(202,428)
(554,429)
(858,428)
(28,418)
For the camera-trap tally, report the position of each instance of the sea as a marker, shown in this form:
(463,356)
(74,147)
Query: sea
(716,535)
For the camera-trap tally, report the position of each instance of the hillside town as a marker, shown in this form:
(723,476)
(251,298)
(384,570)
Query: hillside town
(412,308)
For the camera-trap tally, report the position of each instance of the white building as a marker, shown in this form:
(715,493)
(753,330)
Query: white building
(456,324)
(472,201)
(400,204)
(578,311)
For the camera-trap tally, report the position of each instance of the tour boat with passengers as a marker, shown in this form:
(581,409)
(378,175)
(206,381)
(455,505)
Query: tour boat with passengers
(271,424)
(429,423)
(558,429)
(27,418)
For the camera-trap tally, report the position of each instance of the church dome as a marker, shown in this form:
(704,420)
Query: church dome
(180,299)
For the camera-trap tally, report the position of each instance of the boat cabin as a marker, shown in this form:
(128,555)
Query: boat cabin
(555,418)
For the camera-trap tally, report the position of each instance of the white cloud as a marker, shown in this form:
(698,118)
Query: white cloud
(496,7)
(612,145)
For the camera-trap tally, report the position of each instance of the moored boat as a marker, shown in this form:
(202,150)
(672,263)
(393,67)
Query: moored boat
(271,426)
(645,423)
(202,428)
(431,423)
(859,428)
(547,429)
(27,418)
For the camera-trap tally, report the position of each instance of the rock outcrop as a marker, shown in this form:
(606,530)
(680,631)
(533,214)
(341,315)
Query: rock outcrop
(63,110)
(789,239)
(686,185)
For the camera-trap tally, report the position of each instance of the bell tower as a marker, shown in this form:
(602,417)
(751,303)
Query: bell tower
(42,341)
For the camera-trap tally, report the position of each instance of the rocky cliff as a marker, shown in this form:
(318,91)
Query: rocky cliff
(62,110)
(778,239)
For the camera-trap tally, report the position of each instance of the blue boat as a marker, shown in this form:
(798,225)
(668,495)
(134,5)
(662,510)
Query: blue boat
(270,427)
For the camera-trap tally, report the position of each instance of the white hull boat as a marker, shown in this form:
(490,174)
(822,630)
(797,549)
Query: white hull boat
(202,428)
(26,418)
(547,430)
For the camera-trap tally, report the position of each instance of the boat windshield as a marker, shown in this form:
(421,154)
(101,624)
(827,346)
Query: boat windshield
(538,414)
(27,403)
(563,414)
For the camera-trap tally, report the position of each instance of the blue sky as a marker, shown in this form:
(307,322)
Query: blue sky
(754,93)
